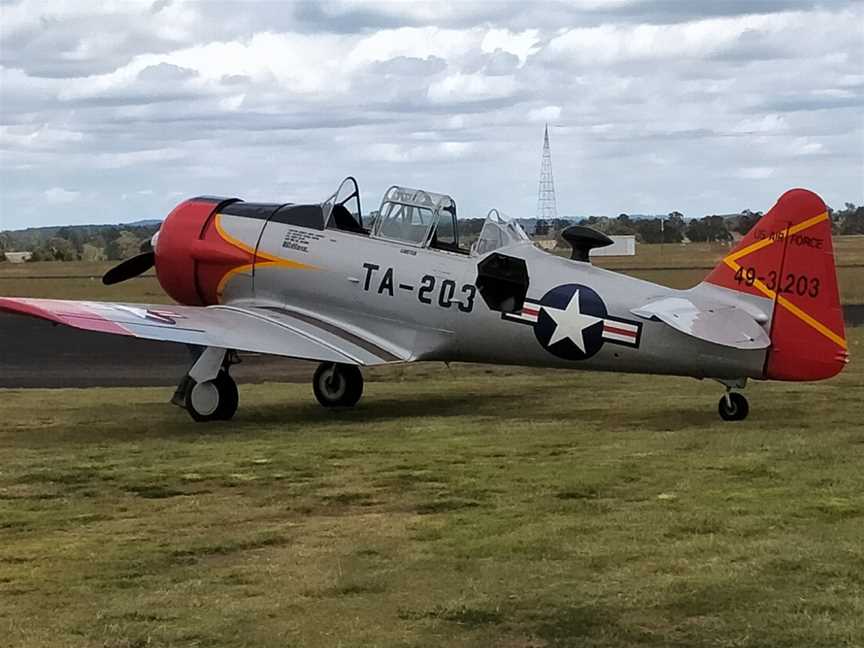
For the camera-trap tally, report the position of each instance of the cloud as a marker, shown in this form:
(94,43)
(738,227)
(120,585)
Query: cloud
(60,196)
(414,153)
(519,44)
(742,37)
(464,88)
(165,73)
(754,173)
(46,138)
(137,158)
(409,66)
(500,63)
(657,105)
(770,123)
(544,114)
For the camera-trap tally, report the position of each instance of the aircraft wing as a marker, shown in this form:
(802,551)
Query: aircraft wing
(723,324)
(259,330)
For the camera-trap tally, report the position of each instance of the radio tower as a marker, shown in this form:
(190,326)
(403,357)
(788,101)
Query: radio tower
(547,209)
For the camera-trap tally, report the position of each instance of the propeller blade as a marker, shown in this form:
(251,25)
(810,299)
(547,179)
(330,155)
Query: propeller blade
(130,268)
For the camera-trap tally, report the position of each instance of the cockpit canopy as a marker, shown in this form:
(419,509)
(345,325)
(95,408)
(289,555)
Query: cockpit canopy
(498,232)
(417,217)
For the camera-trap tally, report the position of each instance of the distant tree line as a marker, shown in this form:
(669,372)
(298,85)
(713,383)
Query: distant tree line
(849,220)
(674,227)
(78,242)
(114,242)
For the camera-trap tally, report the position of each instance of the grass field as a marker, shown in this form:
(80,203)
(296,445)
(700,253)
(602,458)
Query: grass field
(519,509)
(678,266)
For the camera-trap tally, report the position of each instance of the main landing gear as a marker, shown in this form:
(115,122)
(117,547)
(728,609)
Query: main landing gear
(337,385)
(212,400)
(208,392)
(733,405)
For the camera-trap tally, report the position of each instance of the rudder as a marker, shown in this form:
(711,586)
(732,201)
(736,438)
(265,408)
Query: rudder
(788,257)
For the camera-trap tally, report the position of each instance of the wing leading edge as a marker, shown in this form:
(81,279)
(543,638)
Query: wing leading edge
(258,330)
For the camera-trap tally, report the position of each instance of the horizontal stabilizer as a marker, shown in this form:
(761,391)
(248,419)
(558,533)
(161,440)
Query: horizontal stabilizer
(722,324)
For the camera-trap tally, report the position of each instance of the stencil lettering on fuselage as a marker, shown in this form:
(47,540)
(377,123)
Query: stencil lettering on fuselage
(571,322)
(299,240)
(432,290)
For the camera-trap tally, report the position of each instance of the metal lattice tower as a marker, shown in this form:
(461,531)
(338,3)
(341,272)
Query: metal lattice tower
(547,208)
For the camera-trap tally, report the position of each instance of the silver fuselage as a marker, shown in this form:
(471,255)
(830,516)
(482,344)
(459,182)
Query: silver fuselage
(425,300)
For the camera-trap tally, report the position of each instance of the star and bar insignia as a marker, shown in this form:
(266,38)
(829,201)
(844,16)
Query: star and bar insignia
(571,322)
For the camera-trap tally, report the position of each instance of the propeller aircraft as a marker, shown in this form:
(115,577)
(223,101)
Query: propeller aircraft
(317,282)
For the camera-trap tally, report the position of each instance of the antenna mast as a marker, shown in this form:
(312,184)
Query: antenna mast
(547,208)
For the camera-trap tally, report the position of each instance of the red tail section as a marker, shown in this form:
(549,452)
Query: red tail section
(789,258)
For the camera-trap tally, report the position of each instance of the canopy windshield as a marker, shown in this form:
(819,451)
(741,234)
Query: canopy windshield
(342,209)
(498,232)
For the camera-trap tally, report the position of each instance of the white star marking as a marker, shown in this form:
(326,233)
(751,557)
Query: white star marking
(570,323)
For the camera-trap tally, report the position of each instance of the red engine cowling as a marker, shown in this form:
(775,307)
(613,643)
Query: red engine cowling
(192,257)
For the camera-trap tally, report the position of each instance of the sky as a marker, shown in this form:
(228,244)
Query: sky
(115,111)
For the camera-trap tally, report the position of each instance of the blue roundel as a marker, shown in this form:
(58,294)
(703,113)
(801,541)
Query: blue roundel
(570,322)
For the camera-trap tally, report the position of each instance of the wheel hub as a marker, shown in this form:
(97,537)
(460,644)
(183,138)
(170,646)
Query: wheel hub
(333,384)
(205,398)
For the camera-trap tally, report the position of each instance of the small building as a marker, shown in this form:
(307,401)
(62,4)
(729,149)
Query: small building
(18,257)
(621,246)
(546,244)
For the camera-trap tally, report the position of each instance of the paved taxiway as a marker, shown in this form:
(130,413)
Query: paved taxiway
(35,353)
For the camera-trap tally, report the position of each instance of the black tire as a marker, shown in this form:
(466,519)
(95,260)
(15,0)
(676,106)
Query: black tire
(736,409)
(213,400)
(337,385)
(229,397)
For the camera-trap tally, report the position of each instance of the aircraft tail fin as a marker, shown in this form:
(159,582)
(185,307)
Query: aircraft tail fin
(788,257)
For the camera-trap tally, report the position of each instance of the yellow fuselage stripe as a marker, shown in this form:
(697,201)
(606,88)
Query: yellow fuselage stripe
(268,259)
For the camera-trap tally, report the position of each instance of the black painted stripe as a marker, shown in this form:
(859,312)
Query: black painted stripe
(310,216)
(211,199)
(356,340)
(259,211)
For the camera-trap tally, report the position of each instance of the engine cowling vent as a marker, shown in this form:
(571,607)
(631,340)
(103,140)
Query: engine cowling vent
(582,240)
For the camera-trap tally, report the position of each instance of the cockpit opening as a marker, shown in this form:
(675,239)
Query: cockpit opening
(498,232)
(342,209)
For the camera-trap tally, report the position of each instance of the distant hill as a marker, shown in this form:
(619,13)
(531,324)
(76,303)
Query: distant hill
(79,242)
(149,222)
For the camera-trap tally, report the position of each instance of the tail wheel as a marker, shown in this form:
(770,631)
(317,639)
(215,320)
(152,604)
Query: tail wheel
(213,400)
(337,385)
(733,407)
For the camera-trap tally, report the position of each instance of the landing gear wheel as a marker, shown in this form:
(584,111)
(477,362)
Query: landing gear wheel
(212,400)
(733,407)
(337,385)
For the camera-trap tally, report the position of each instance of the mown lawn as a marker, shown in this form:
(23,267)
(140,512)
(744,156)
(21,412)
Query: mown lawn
(461,507)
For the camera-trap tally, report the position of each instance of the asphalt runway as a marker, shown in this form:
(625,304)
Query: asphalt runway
(36,353)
